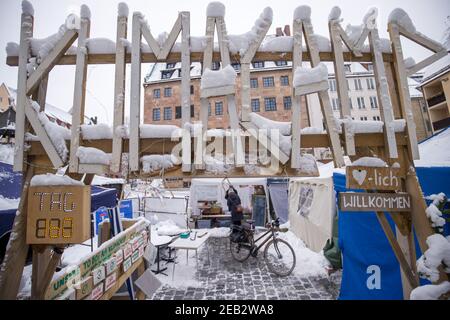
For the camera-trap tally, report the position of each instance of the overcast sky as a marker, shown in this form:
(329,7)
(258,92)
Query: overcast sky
(429,17)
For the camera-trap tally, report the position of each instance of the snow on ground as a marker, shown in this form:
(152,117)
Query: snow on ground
(6,203)
(7,153)
(435,152)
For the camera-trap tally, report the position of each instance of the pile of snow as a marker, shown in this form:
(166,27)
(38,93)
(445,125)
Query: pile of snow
(307,76)
(409,62)
(400,17)
(435,152)
(435,215)
(85,12)
(354,32)
(438,254)
(157,162)
(12,49)
(369,126)
(96,132)
(302,13)
(123,10)
(27,8)
(241,43)
(7,203)
(430,291)
(218,78)
(264,123)
(312,130)
(370,162)
(323,43)
(7,153)
(277,44)
(57,134)
(168,228)
(219,232)
(90,155)
(335,14)
(215,9)
(40,48)
(100,45)
(158,130)
(49,179)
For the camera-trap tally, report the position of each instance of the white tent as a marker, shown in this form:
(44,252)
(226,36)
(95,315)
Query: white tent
(312,208)
(211,189)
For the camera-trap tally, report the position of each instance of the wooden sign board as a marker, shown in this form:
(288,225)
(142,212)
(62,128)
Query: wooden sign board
(59,214)
(84,288)
(391,202)
(373,178)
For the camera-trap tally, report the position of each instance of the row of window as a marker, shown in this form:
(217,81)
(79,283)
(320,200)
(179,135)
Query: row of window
(270,104)
(370,84)
(269,82)
(167,92)
(375,118)
(336,104)
(167,113)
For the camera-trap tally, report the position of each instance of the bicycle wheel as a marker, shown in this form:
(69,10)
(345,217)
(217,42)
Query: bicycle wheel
(240,251)
(280,257)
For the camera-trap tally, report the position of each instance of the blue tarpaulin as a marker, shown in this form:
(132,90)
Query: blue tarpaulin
(363,242)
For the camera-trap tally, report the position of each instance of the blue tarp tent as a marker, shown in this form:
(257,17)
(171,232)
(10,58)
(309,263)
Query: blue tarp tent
(363,242)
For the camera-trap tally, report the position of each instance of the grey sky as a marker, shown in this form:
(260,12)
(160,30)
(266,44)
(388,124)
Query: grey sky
(429,17)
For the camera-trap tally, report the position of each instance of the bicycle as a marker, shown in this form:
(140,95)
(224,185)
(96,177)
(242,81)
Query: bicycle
(278,254)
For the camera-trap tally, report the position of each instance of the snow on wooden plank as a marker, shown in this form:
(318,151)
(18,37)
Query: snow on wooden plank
(135,92)
(119,90)
(171,39)
(79,93)
(51,59)
(297,102)
(185,88)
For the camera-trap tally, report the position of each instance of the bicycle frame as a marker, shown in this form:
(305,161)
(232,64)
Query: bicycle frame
(254,241)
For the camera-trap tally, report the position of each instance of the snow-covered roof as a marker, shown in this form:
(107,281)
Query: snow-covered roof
(434,152)
(436,69)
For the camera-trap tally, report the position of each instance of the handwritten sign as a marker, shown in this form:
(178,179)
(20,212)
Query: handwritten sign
(99,274)
(59,214)
(393,202)
(372,178)
(84,288)
(110,281)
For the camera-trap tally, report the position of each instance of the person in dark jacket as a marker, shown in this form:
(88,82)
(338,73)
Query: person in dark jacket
(233,202)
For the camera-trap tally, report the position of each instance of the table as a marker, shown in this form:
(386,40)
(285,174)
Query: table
(158,242)
(188,244)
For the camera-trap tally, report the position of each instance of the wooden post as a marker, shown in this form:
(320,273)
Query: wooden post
(41,258)
(119,93)
(386,112)
(26,32)
(186,90)
(49,272)
(135,93)
(297,54)
(324,98)
(79,94)
(17,249)
(341,80)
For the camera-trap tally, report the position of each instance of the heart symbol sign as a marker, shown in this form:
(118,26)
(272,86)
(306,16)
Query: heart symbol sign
(359,176)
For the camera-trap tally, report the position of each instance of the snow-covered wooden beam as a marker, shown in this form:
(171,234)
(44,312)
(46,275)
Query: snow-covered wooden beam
(297,101)
(119,87)
(336,33)
(382,86)
(51,59)
(332,130)
(185,89)
(26,32)
(79,94)
(135,92)
(171,39)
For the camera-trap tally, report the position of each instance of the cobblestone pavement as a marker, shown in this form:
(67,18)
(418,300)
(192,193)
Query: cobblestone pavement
(224,278)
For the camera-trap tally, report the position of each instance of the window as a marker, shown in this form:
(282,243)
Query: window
(370,67)
(209,109)
(348,85)
(170,65)
(156,114)
(166,74)
(347,68)
(363,118)
(258,64)
(332,84)
(255,105)
(236,66)
(268,82)
(376,118)
(215,65)
(287,103)
(358,85)
(192,111)
(167,113)
(281,63)
(361,103)
(351,103)
(167,92)
(254,83)
(284,80)
(192,89)
(178,112)
(156,93)
(270,104)
(370,84)
(373,102)
(219,108)
(335,103)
